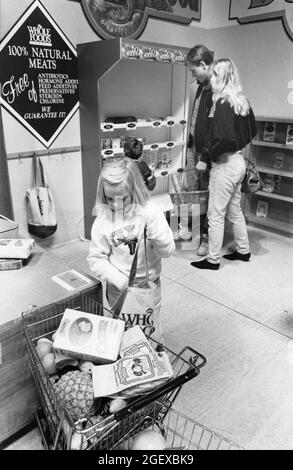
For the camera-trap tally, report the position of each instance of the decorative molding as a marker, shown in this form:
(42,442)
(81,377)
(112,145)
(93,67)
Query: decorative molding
(254,11)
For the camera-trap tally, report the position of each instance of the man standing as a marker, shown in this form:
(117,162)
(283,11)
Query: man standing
(199,61)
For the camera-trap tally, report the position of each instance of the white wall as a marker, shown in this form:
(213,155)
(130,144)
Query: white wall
(264,55)
(215,14)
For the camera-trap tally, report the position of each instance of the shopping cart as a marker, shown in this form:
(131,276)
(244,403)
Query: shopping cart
(178,431)
(56,425)
(186,184)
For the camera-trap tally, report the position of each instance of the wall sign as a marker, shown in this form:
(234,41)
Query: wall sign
(38,74)
(128,18)
(250,11)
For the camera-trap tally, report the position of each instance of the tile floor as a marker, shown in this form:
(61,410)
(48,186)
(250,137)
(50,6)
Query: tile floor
(241,319)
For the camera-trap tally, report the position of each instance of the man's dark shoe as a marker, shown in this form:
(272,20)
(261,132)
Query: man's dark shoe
(235,255)
(205,264)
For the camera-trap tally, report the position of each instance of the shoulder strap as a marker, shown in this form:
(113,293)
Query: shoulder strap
(247,159)
(133,268)
(38,172)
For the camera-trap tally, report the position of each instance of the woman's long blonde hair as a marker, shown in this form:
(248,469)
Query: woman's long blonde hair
(226,84)
(124,172)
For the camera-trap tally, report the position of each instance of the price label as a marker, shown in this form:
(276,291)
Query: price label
(107,152)
(108,127)
(170,144)
(131,125)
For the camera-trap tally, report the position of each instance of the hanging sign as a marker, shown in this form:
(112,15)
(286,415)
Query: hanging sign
(38,74)
(250,11)
(128,18)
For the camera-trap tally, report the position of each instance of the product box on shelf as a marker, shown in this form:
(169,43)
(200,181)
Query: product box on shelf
(279,159)
(289,136)
(269,132)
(262,208)
(268,183)
(89,337)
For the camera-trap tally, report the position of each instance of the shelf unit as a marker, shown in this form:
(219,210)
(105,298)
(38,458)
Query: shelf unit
(149,83)
(272,150)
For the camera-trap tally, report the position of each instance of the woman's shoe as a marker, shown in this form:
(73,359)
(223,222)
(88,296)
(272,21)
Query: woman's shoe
(235,255)
(205,264)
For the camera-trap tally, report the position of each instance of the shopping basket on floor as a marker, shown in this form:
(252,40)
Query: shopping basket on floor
(56,423)
(178,431)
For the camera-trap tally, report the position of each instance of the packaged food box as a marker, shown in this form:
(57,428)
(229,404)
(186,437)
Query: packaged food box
(89,337)
(269,132)
(16,247)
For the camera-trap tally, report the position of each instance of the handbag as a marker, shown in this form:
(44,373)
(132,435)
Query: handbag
(41,216)
(136,305)
(251,181)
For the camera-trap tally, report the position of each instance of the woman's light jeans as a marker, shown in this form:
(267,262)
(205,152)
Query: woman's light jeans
(225,201)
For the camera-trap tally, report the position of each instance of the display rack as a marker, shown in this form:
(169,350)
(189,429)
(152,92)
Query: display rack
(272,150)
(149,83)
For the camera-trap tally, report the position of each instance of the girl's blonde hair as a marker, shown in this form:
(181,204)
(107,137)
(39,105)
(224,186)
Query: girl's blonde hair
(226,84)
(123,172)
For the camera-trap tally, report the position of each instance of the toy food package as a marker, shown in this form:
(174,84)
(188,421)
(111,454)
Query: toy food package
(89,337)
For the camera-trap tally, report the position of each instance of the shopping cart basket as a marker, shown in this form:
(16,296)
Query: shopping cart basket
(179,431)
(185,192)
(59,427)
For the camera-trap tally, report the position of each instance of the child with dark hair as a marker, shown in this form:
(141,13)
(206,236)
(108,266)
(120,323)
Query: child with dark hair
(133,149)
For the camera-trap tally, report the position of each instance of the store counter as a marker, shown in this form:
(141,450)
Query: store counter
(32,285)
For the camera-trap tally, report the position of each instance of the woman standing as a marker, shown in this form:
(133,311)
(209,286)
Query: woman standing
(232,128)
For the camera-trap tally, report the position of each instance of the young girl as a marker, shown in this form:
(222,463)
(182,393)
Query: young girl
(232,128)
(123,210)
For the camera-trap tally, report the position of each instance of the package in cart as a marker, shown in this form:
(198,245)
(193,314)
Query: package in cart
(130,371)
(89,337)
(139,364)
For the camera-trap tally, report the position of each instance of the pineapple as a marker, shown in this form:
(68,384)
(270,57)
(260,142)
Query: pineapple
(75,392)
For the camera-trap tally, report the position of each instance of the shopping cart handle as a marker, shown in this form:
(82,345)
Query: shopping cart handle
(156,394)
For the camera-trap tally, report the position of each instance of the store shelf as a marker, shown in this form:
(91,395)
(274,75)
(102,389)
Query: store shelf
(115,77)
(262,143)
(275,171)
(140,124)
(280,197)
(151,147)
(272,223)
(274,119)
(277,206)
